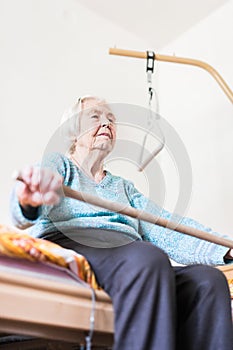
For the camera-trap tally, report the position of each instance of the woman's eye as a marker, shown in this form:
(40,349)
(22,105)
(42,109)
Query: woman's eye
(95,116)
(112,119)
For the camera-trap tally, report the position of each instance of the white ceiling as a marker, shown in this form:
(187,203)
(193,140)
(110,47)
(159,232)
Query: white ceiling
(156,21)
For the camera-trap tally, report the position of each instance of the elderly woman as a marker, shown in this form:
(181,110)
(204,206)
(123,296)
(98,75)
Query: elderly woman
(156,306)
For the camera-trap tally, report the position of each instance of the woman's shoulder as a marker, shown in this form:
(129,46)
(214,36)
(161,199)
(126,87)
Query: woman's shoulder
(120,180)
(56,161)
(54,157)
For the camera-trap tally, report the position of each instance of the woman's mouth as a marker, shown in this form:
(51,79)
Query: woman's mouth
(105,134)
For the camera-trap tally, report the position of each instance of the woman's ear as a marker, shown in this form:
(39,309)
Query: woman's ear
(73,146)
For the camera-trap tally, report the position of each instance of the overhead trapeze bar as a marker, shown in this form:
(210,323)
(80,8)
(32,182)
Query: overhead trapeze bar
(174,59)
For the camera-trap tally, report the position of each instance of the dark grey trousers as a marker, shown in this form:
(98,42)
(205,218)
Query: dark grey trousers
(158,307)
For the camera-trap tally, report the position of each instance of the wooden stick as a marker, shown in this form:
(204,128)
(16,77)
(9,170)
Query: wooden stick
(142,215)
(174,59)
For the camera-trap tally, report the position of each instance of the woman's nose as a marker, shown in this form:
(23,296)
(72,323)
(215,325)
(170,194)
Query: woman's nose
(104,122)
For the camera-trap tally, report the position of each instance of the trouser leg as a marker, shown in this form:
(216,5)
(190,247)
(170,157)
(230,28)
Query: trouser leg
(139,279)
(143,297)
(203,309)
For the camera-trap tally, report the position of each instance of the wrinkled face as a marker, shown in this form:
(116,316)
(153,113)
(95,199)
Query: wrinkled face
(97,128)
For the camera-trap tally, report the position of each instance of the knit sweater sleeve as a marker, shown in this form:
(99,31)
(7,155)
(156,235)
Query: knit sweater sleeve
(182,248)
(56,162)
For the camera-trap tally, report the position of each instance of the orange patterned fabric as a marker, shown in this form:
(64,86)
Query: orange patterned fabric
(15,243)
(230,282)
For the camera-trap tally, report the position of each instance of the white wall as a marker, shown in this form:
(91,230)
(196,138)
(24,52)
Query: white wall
(51,53)
(194,104)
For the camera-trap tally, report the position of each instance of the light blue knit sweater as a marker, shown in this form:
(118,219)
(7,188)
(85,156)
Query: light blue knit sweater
(77,218)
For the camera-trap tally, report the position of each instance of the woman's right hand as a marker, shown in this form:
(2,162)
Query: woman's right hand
(39,186)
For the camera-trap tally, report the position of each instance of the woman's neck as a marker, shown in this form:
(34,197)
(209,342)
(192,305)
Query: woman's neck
(90,162)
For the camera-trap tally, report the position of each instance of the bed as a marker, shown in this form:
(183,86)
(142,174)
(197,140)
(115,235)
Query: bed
(47,301)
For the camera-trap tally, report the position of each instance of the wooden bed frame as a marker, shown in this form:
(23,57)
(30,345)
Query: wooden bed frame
(44,302)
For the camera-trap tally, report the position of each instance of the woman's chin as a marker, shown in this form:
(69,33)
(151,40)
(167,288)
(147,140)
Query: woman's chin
(104,145)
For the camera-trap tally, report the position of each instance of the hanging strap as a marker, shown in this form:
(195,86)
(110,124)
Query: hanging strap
(150,118)
(150,61)
(150,70)
(150,65)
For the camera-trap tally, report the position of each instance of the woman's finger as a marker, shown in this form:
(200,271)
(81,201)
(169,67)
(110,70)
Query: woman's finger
(35,179)
(50,181)
(22,192)
(51,198)
(36,199)
(26,174)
